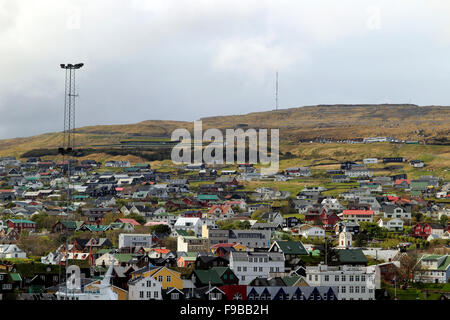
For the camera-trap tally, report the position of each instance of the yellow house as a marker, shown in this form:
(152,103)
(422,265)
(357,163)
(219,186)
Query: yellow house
(168,278)
(121,294)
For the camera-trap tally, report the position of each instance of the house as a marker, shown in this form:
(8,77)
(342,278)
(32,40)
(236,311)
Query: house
(131,240)
(434,268)
(291,250)
(11,251)
(95,215)
(416,163)
(352,257)
(66,226)
(354,283)
(189,224)
(358,172)
(396,211)
(402,183)
(166,277)
(424,230)
(298,172)
(187,261)
(341,178)
(250,265)
(216,276)
(395,224)
(222,211)
(133,222)
(144,288)
(358,215)
(273,217)
(207,261)
(348,226)
(309,231)
(192,244)
(20,224)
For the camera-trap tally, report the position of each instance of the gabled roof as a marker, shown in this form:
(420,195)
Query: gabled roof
(351,256)
(291,247)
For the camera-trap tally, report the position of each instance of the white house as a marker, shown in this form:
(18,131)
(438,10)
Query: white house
(308,231)
(331,204)
(194,224)
(395,224)
(11,251)
(131,240)
(250,265)
(395,211)
(370,160)
(355,283)
(144,288)
(435,268)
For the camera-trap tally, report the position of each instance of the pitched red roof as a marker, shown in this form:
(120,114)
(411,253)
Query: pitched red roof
(357,212)
(130,221)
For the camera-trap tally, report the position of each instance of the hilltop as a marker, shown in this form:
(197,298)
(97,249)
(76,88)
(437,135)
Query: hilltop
(336,122)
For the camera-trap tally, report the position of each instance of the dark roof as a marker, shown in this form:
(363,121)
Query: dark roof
(351,256)
(265,282)
(291,247)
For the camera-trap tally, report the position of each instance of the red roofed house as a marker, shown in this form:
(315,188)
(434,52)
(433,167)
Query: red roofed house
(130,221)
(224,211)
(402,183)
(358,215)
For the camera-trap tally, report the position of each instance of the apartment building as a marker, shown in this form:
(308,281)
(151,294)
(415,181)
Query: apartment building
(354,283)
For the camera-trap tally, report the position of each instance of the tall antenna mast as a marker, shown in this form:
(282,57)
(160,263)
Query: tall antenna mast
(68,137)
(276,92)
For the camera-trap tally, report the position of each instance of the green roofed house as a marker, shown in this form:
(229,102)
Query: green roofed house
(435,268)
(353,257)
(292,251)
(216,276)
(207,197)
(295,281)
(94,228)
(419,185)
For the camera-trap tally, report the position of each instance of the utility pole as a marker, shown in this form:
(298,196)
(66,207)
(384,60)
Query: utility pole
(276,92)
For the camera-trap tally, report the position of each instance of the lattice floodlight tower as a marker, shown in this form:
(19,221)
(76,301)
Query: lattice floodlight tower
(69,108)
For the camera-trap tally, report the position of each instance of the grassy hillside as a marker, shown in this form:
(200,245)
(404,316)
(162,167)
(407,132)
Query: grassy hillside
(431,123)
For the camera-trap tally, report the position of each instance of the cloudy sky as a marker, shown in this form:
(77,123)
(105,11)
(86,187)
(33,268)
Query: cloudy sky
(187,59)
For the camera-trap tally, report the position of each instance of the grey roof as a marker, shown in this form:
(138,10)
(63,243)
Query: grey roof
(243,256)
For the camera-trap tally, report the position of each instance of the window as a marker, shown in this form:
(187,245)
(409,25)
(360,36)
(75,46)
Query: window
(149,284)
(155,294)
(363,278)
(356,278)
(351,289)
(149,294)
(351,279)
(160,278)
(343,288)
(175,296)
(243,278)
(316,278)
(238,269)
(141,294)
(357,289)
(363,289)
(244,269)
(168,278)
(327,278)
(336,278)
(255,269)
(260,269)
(343,278)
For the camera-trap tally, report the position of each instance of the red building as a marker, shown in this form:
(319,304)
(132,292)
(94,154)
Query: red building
(423,230)
(19,225)
(328,220)
(235,291)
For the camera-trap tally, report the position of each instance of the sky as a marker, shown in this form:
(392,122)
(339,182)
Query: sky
(188,59)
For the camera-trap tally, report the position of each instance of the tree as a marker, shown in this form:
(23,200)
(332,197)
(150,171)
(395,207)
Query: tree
(444,220)
(408,266)
(137,217)
(161,229)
